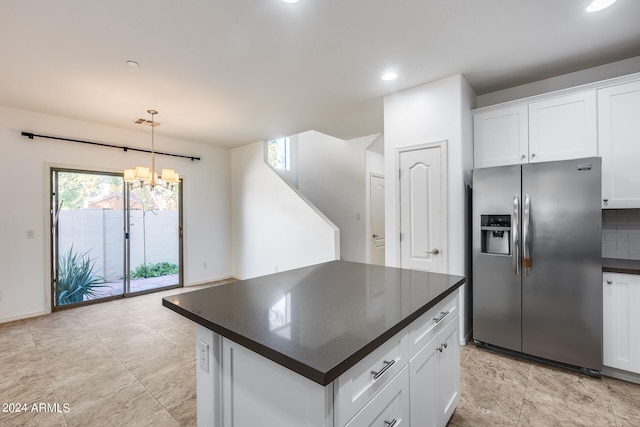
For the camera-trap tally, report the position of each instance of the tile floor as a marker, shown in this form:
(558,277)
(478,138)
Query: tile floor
(131,363)
(499,390)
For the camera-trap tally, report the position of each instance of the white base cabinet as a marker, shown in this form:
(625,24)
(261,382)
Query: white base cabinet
(390,407)
(435,378)
(621,322)
(412,379)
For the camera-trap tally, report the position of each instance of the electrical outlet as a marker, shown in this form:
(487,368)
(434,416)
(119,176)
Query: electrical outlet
(203,356)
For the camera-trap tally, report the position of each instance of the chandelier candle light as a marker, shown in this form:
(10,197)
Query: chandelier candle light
(142,176)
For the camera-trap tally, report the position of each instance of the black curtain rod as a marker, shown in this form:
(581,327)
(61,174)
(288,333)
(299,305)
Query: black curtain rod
(31,135)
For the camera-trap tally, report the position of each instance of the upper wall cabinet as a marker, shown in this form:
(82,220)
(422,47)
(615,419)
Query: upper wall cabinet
(559,128)
(563,128)
(500,137)
(619,139)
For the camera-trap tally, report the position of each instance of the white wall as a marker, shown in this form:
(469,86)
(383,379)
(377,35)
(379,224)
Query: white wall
(332,175)
(274,227)
(432,112)
(25,264)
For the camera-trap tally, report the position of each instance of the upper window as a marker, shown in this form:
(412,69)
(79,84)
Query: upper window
(279,153)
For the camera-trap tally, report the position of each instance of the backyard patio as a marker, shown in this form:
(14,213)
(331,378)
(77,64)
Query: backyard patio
(137,285)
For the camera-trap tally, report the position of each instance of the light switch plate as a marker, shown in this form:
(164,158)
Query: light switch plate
(203,356)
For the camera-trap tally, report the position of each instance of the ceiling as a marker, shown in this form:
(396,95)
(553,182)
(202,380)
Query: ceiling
(231,72)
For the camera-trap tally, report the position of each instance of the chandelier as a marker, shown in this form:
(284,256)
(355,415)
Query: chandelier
(143,176)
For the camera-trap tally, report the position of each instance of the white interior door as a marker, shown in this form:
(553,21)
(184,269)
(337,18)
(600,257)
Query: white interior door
(422,202)
(376,241)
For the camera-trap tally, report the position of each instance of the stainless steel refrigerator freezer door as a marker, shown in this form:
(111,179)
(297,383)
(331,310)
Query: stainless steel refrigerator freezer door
(562,292)
(496,277)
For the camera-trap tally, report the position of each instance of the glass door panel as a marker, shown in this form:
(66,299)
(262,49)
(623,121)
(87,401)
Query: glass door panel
(88,236)
(154,239)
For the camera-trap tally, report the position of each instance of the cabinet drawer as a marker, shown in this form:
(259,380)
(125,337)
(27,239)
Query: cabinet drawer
(390,407)
(366,378)
(429,324)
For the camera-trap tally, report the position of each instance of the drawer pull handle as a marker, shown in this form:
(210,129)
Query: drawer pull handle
(443,314)
(390,423)
(387,365)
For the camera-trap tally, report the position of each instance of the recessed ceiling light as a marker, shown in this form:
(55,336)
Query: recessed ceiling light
(132,64)
(389,76)
(598,5)
(290,1)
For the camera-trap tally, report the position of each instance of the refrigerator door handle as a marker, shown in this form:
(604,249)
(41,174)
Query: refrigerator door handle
(515,235)
(526,235)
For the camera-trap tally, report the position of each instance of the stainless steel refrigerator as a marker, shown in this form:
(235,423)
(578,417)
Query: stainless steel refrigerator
(537,260)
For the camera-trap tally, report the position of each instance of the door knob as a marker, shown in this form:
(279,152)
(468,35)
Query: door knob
(375,236)
(433,252)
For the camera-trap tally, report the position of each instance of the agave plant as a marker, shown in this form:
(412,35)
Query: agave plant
(76,279)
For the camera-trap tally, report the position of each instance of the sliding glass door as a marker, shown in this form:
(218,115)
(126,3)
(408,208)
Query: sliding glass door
(154,239)
(109,241)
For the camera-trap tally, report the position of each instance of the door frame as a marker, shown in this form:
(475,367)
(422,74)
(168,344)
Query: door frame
(444,188)
(49,168)
(368,232)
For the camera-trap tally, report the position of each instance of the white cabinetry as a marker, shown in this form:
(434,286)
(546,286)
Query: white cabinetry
(621,322)
(435,378)
(619,139)
(390,407)
(501,137)
(411,379)
(563,128)
(553,128)
(433,373)
(356,387)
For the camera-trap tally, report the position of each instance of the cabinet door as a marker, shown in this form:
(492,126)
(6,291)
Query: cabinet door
(619,138)
(621,322)
(448,373)
(423,379)
(500,137)
(435,378)
(259,392)
(563,128)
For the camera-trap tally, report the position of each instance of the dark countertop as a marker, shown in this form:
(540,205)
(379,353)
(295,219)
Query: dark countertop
(319,320)
(626,266)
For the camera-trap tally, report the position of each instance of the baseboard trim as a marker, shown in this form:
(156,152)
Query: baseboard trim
(621,375)
(23,316)
(210,281)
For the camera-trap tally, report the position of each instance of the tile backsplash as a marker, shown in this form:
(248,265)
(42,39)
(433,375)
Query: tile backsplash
(621,233)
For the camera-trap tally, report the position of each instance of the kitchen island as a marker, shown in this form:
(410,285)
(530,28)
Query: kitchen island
(332,344)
